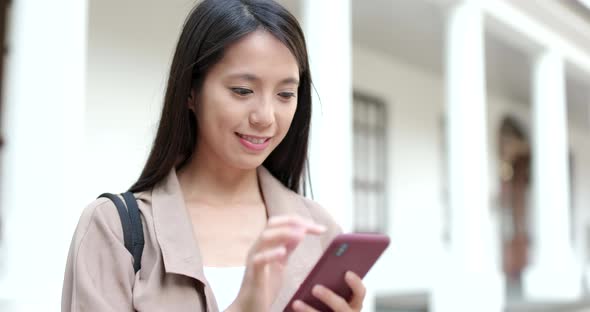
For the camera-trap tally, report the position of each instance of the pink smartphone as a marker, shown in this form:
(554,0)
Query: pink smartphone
(356,252)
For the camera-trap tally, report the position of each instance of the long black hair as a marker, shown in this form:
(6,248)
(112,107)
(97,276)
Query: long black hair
(210,27)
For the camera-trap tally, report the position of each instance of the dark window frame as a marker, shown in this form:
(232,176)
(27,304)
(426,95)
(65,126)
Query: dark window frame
(4,7)
(370,188)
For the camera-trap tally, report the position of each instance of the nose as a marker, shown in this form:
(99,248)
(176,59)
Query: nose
(262,115)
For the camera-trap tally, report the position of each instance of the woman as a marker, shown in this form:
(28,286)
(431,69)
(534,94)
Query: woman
(225,227)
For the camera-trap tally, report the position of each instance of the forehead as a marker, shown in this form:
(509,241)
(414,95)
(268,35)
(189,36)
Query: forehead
(261,54)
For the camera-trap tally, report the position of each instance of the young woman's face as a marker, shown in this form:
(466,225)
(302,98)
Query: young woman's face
(247,101)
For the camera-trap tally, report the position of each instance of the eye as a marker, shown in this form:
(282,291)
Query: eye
(287,95)
(241,91)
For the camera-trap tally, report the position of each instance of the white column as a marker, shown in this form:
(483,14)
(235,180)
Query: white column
(554,272)
(328,26)
(469,279)
(43,119)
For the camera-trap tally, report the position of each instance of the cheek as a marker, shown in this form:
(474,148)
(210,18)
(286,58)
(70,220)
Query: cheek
(218,115)
(220,124)
(286,117)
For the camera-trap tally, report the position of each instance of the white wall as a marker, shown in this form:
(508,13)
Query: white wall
(415,102)
(73,101)
(43,109)
(130,47)
(580,145)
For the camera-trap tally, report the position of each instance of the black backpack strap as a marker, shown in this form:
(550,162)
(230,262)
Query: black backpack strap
(131,223)
(136,229)
(124,215)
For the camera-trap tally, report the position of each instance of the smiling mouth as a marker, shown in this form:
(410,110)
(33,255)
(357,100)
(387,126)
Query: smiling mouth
(253,139)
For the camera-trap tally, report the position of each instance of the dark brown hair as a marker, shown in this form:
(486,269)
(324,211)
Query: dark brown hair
(210,27)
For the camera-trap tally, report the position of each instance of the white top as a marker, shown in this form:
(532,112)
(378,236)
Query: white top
(225,283)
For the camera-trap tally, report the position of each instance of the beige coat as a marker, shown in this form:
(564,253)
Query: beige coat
(99,273)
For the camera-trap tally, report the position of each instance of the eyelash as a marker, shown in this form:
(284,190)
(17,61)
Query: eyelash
(244,92)
(287,95)
(241,91)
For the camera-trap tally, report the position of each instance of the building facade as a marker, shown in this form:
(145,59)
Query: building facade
(460,128)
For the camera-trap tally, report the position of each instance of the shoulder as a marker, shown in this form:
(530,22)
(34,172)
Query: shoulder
(103,213)
(99,219)
(99,272)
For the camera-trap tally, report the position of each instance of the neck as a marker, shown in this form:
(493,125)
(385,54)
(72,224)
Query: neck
(205,179)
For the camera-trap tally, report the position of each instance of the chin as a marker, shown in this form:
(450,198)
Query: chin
(249,164)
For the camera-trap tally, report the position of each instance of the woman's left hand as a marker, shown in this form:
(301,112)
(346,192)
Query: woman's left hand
(334,301)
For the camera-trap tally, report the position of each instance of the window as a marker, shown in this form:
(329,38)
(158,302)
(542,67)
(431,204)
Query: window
(4,6)
(369,144)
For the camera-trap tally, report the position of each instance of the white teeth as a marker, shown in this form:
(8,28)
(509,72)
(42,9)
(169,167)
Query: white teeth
(252,140)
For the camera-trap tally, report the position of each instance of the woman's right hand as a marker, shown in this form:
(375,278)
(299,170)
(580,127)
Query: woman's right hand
(266,261)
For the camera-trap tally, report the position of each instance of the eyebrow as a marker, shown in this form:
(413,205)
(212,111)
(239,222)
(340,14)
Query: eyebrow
(250,77)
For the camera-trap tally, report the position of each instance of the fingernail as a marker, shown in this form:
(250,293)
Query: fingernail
(349,275)
(297,304)
(320,227)
(316,290)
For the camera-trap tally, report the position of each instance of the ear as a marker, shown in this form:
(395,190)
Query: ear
(192,101)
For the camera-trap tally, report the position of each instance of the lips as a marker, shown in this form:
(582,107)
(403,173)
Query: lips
(254,144)
(253,139)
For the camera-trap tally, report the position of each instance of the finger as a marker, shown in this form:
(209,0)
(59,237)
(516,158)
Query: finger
(296,221)
(300,306)
(359,290)
(330,298)
(287,237)
(260,259)
(288,231)
(263,263)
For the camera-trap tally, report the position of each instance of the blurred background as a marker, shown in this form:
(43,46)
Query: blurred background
(460,128)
